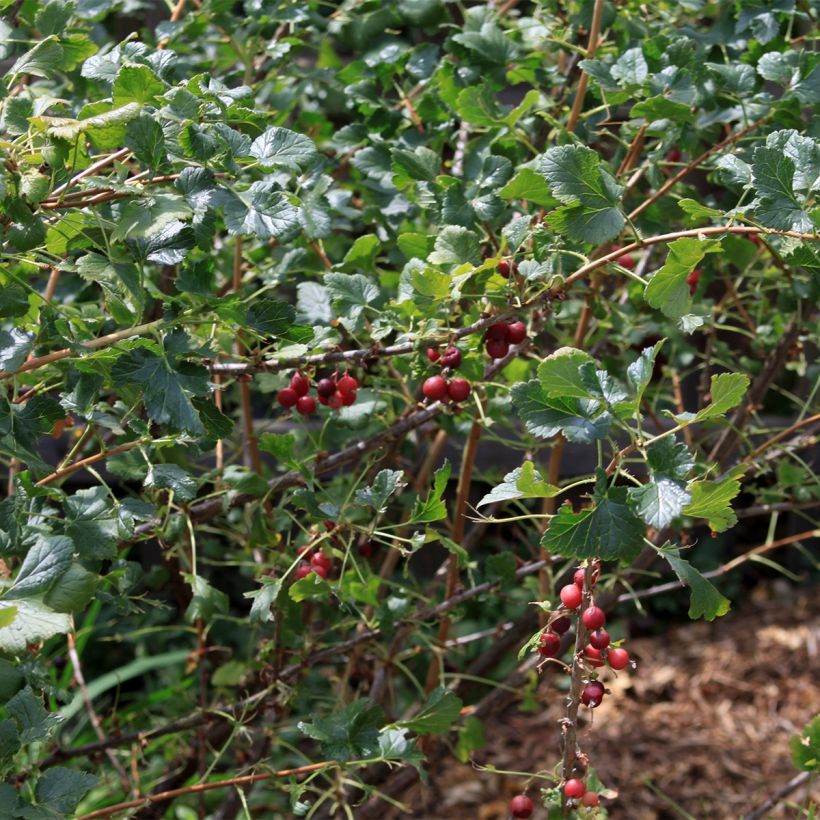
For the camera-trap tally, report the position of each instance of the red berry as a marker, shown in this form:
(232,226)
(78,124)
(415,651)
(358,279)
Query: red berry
(497,348)
(326,388)
(323,400)
(578,578)
(458,389)
(433,355)
(571,596)
(319,559)
(673,155)
(599,639)
(592,694)
(504,268)
(451,357)
(347,384)
(516,333)
(305,551)
(590,800)
(756,240)
(303,570)
(560,625)
(287,397)
(319,570)
(500,330)
(574,788)
(366,549)
(347,398)
(435,388)
(306,405)
(521,806)
(549,644)
(626,260)
(617,658)
(593,656)
(692,280)
(593,617)
(335,401)
(300,384)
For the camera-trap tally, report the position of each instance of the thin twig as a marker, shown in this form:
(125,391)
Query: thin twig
(795,783)
(592,47)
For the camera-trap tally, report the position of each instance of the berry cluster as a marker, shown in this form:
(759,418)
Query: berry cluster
(333,392)
(501,335)
(314,560)
(439,388)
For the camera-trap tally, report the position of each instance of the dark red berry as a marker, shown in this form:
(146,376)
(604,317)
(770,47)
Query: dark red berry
(323,400)
(599,639)
(571,596)
(451,357)
(329,525)
(590,800)
(306,405)
(347,384)
(593,617)
(347,398)
(674,155)
(326,388)
(516,333)
(574,788)
(500,330)
(433,355)
(319,570)
(593,656)
(305,551)
(366,549)
(549,644)
(521,806)
(578,578)
(561,625)
(458,389)
(287,397)
(335,401)
(303,570)
(319,559)
(693,279)
(497,348)
(435,388)
(300,384)
(504,268)
(617,658)
(626,260)
(592,694)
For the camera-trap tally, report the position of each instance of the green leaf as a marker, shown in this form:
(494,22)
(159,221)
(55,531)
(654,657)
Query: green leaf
(470,738)
(13,301)
(437,715)
(419,164)
(660,501)
(61,789)
(73,590)
(805,747)
(712,500)
(42,60)
(270,317)
(15,345)
(280,445)
(580,420)
(9,746)
(262,211)
(394,745)
(7,616)
(351,734)
(433,508)
(263,600)
(560,373)
(351,294)
(662,108)
(523,482)
(529,186)
(384,485)
(630,68)
(362,253)
(415,245)
(667,289)
(727,391)
(609,530)
(93,524)
(455,245)
(282,148)
(144,136)
(165,390)
(704,600)
(206,600)
(590,194)
(70,129)
(33,721)
(639,373)
(44,563)
(136,84)
(174,478)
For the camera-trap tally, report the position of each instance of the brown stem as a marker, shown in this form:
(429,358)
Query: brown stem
(90,171)
(767,805)
(592,47)
(459,521)
(633,152)
(84,462)
(161,797)
(780,436)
